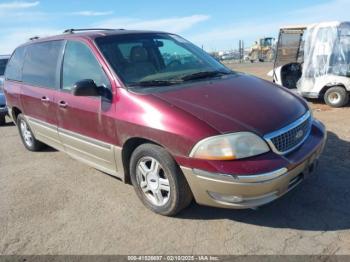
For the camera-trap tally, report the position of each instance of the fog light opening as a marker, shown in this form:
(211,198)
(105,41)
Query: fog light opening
(226,198)
(296,180)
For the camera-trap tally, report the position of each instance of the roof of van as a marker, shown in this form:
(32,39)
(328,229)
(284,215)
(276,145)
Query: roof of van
(90,33)
(322,24)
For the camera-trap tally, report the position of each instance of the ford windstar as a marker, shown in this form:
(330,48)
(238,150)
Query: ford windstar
(160,113)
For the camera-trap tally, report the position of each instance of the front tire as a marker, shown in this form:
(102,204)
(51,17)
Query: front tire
(336,96)
(27,135)
(158,181)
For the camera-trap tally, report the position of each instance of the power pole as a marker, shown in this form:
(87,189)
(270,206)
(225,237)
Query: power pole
(241,50)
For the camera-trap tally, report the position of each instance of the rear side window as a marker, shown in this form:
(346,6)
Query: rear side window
(41,64)
(14,66)
(79,63)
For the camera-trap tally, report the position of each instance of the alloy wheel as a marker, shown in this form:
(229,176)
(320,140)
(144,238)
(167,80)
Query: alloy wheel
(153,181)
(26,133)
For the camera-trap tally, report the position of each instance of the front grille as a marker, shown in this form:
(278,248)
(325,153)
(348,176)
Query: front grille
(291,136)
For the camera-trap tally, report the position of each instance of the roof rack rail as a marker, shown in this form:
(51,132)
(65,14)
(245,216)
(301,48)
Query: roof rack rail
(34,38)
(72,30)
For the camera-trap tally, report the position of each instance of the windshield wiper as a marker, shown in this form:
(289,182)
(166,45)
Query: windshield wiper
(152,83)
(174,81)
(204,74)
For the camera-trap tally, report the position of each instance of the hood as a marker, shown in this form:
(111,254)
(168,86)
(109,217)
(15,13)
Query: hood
(238,103)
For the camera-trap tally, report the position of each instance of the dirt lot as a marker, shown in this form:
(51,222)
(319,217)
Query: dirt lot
(52,204)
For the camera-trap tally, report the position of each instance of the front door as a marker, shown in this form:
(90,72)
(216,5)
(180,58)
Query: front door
(85,124)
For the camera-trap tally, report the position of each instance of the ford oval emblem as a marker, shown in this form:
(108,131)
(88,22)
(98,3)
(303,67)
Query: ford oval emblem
(299,134)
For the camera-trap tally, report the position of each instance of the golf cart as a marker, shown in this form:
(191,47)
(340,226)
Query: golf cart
(314,60)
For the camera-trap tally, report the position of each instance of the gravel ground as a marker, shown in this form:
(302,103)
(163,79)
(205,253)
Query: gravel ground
(52,204)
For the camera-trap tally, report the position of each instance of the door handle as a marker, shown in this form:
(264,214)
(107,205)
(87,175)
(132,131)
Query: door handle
(45,99)
(62,104)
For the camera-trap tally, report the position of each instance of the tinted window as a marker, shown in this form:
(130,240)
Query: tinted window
(41,64)
(3,63)
(125,49)
(79,63)
(14,66)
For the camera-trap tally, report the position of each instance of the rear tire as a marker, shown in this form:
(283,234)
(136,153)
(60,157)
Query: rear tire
(336,96)
(158,181)
(27,135)
(2,120)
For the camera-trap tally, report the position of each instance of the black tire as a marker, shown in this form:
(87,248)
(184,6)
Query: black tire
(180,195)
(2,120)
(35,145)
(336,96)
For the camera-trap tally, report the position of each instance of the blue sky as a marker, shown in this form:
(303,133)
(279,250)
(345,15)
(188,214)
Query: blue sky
(217,25)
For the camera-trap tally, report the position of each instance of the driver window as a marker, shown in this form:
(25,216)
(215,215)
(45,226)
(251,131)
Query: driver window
(79,63)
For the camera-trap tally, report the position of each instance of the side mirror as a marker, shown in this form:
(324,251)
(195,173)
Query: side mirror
(86,87)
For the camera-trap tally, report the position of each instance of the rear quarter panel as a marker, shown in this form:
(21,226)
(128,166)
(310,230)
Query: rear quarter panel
(12,90)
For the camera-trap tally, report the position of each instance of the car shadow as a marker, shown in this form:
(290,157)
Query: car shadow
(9,123)
(47,148)
(320,203)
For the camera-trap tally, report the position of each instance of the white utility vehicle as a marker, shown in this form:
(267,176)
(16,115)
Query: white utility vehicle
(315,60)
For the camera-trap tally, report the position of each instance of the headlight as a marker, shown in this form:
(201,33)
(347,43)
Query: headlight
(229,147)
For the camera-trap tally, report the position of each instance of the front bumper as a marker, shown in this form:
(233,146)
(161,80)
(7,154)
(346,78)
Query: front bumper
(249,191)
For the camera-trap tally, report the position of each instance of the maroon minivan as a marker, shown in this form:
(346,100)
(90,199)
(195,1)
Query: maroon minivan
(155,110)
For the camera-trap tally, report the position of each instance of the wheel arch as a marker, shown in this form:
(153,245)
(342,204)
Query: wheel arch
(128,148)
(326,87)
(15,111)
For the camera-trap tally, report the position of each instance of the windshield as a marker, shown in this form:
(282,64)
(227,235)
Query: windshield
(266,42)
(3,63)
(157,59)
